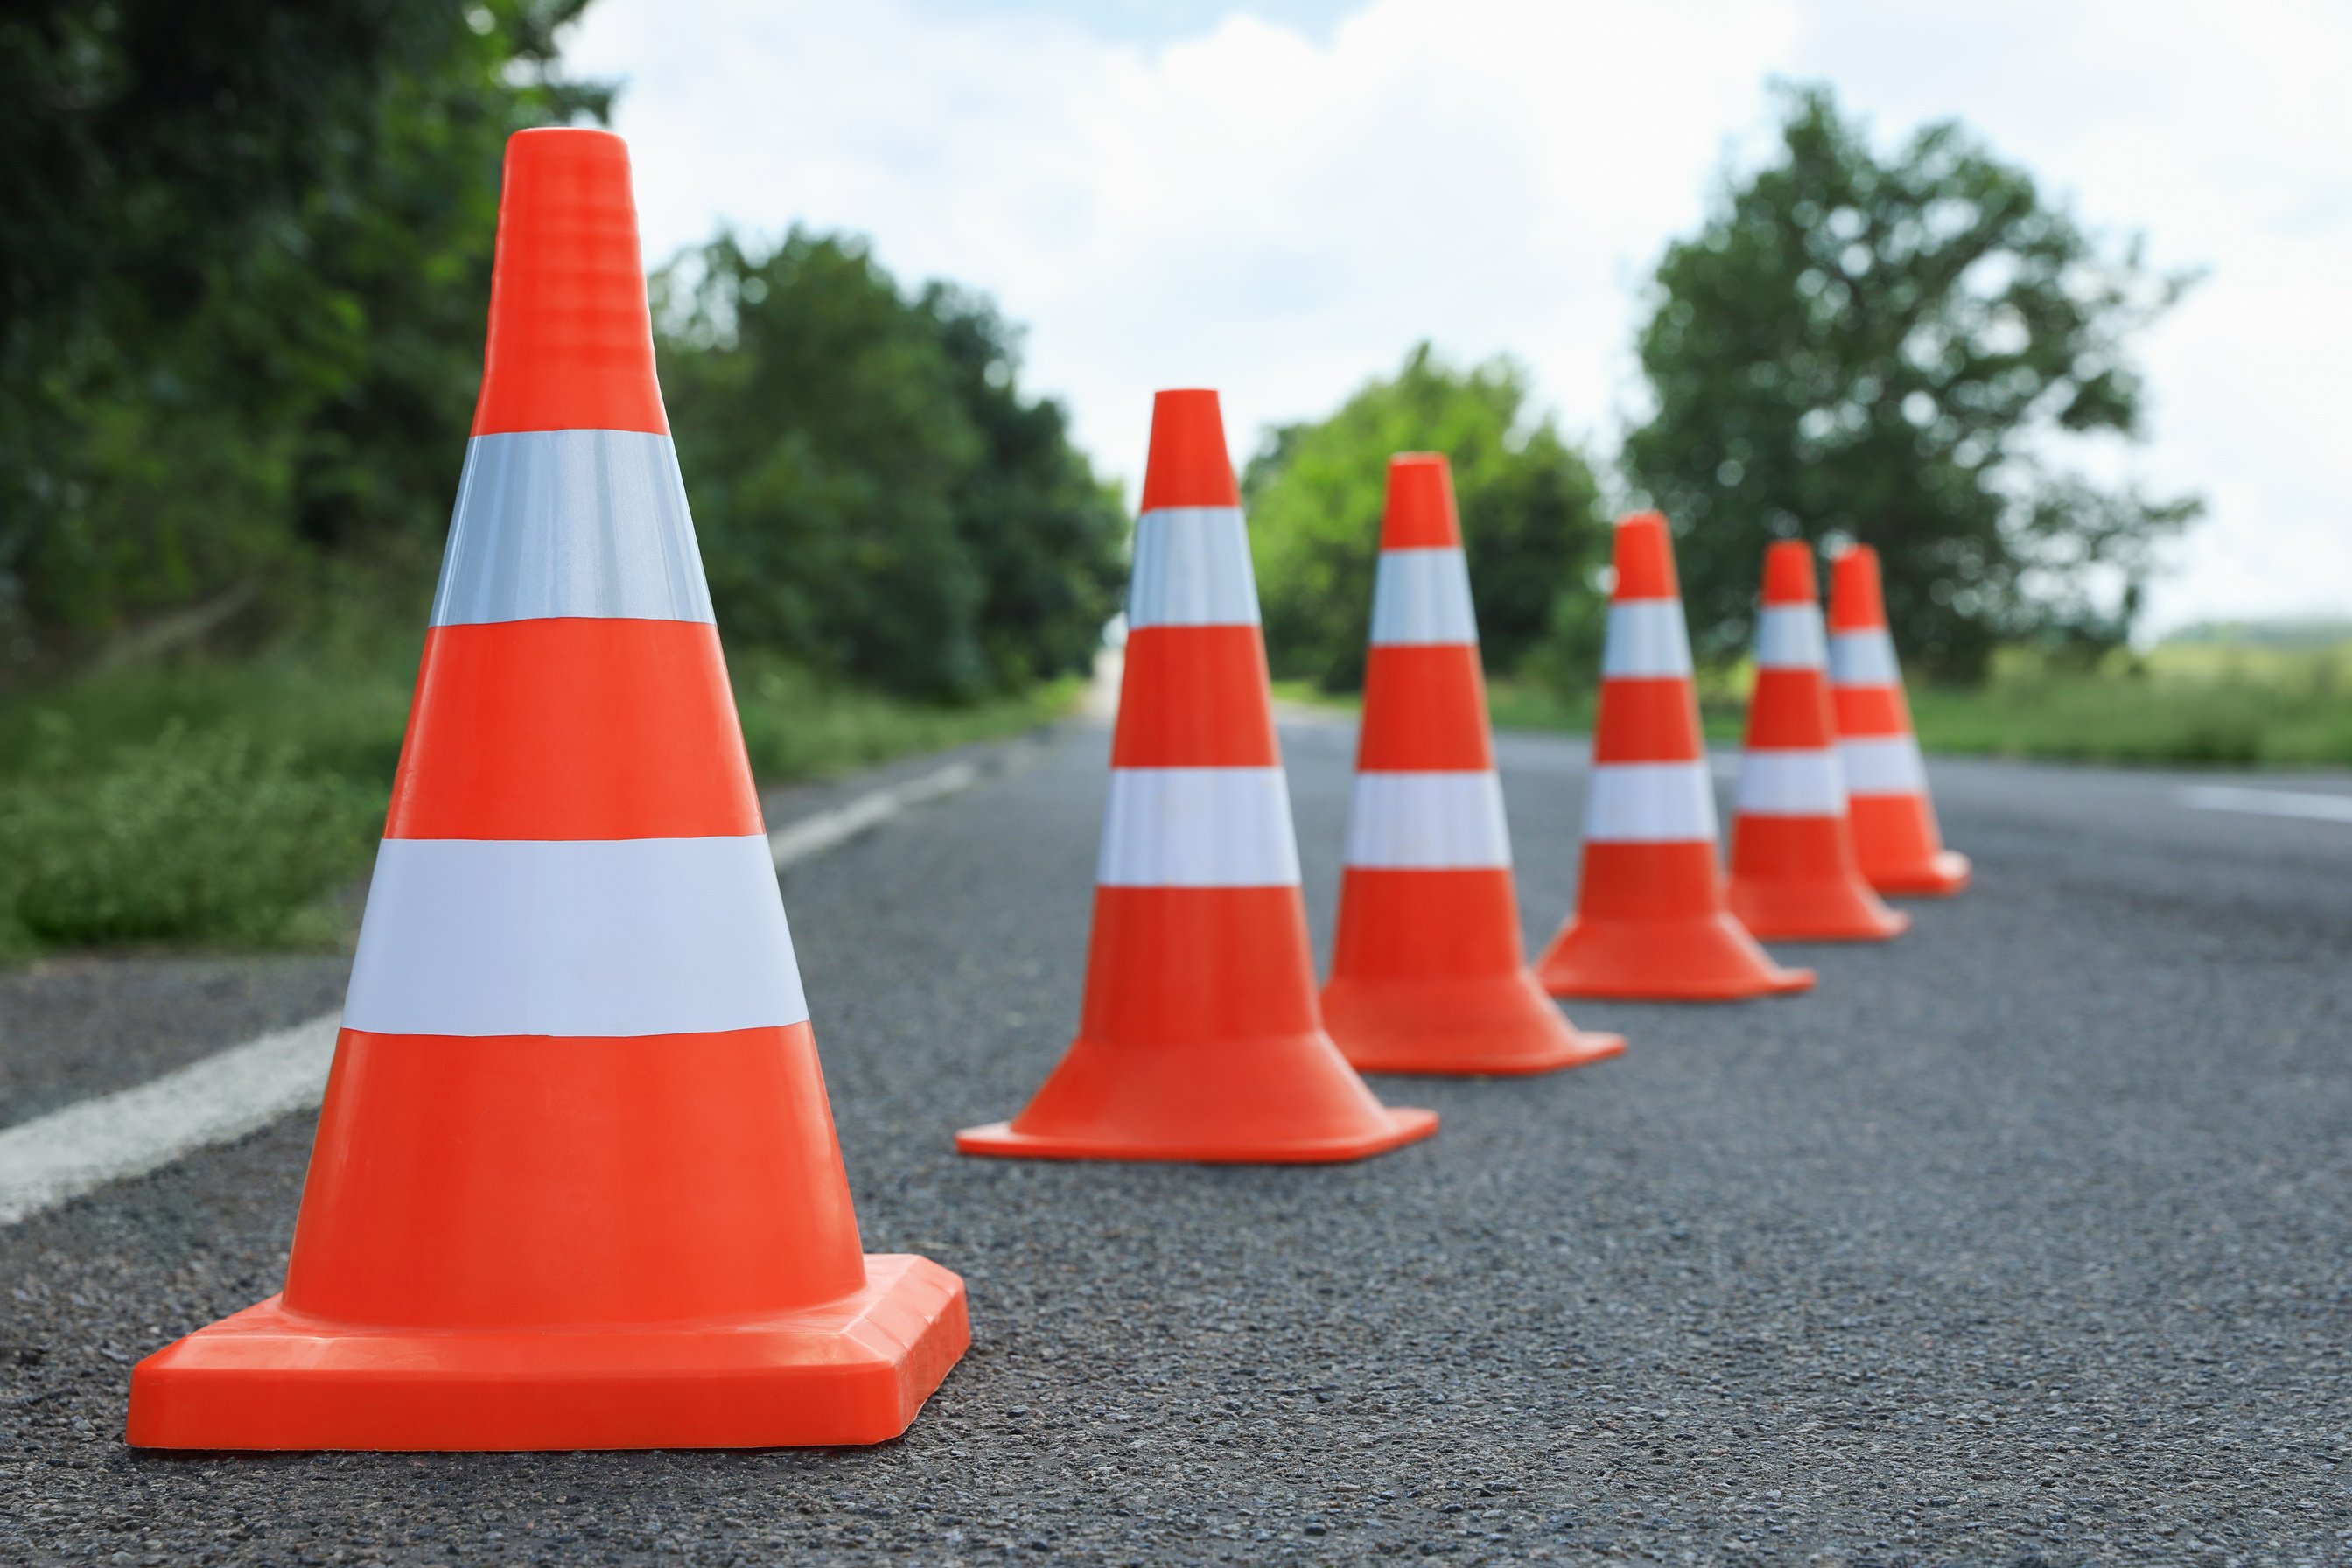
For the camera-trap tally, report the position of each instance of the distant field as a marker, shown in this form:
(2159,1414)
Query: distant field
(2195,703)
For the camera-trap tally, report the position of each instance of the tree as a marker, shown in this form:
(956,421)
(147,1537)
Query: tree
(244,262)
(1531,519)
(873,493)
(1896,352)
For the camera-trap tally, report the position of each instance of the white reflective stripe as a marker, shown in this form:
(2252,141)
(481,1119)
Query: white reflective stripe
(1646,637)
(1649,803)
(1790,783)
(1423,597)
(1863,658)
(570,522)
(1428,822)
(1890,765)
(1197,828)
(1789,637)
(591,936)
(1191,569)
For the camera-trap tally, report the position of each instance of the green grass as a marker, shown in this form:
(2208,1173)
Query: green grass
(2190,704)
(222,802)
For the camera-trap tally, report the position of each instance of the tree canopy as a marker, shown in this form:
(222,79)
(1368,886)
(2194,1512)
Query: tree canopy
(244,263)
(1531,520)
(243,271)
(1898,351)
(873,492)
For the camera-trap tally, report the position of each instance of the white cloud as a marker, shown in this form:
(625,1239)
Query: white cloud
(1282,215)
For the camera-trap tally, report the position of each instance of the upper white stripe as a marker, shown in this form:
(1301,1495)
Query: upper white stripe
(1887,765)
(1428,822)
(1789,637)
(1197,828)
(1191,569)
(593,936)
(1423,597)
(1649,803)
(570,522)
(1790,783)
(1646,637)
(1863,658)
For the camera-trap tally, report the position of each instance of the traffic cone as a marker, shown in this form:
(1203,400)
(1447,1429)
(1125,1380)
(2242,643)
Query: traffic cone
(1429,975)
(1650,923)
(1199,1038)
(1894,833)
(1793,873)
(575,1185)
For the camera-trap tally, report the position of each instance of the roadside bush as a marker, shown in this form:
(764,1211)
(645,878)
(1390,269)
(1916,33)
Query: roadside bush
(203,838)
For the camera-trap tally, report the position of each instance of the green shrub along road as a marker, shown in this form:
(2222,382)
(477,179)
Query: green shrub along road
(225,803)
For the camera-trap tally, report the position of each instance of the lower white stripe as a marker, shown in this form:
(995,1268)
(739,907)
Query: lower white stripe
(1197,828)
(1646,637)
(1863,658)
(622,936)
(1790,783)
(1888,766)
(1649,803)
(1423,597)
(1789,637)
(1191,569)
(1428,822)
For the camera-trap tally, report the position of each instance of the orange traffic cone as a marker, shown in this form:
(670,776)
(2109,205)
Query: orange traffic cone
(1651,922)
(1894,832)
(1199,1038)
(1793,863)
(1429,975)
(575,1185)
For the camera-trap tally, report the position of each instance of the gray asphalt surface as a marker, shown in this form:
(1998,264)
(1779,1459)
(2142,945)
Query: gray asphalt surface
(2025,1239)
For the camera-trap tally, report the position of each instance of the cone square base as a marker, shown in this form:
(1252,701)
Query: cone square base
(1489,1026)
(1824,910)
(1707,957)
(1395,1129)
(1942,874)
(853,1370)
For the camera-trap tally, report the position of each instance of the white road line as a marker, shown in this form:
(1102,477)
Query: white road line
(230,1093)
(2303,804)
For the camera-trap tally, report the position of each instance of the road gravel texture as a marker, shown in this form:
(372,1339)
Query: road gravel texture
(2023,1240)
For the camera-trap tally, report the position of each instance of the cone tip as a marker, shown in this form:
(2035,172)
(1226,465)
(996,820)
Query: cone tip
(1188,463)
(1857,600)
(1788,573)
(1644,558)
(1419,513)
(569,345)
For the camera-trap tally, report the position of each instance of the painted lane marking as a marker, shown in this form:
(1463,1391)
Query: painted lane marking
(233,1092)
(2303,804)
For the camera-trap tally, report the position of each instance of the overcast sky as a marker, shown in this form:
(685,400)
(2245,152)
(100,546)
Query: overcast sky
(1279,199)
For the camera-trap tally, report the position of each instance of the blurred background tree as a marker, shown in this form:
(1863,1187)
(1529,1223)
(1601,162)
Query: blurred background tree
(1531,519)
(1894,351)
(244,262)
(873,493)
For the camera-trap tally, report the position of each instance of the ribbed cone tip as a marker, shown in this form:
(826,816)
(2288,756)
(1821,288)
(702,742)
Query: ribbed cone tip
(571,344)
(1420,514)
(1789,574)
(1856,603)
(1189,465)
(1645,558)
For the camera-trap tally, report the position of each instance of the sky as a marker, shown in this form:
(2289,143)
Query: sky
(1280,198)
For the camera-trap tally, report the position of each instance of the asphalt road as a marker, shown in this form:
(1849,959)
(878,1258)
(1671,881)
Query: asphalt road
(2025,1239)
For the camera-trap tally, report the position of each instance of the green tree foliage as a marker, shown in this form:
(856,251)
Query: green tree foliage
(1894,351)
(244,260)
(873,493)
(1531,519)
